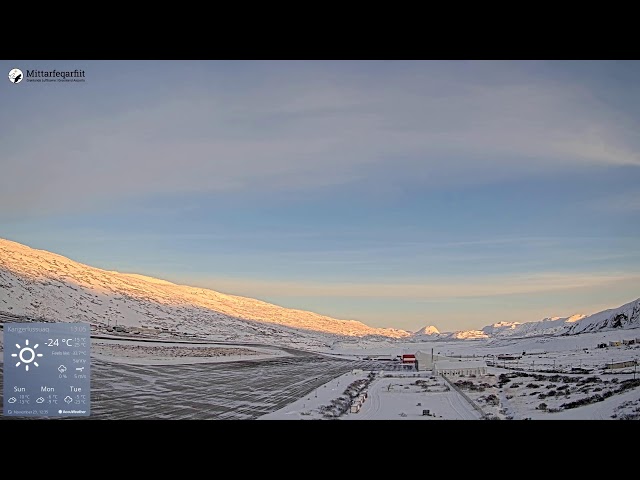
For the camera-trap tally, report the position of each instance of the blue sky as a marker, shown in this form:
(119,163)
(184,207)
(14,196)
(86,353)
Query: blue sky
(398,193)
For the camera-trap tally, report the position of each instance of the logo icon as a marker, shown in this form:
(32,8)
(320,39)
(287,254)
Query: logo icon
(27,350)
(15,75)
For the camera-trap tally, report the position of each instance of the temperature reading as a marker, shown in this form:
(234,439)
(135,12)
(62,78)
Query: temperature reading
(59,342)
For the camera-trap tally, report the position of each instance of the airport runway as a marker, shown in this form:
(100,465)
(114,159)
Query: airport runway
(231,390)
(235,390)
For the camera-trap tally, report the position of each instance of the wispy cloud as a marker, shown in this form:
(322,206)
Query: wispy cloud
(334,130)
(488,286)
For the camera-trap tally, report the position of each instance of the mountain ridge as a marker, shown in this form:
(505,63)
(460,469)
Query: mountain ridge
(626,316)
(33,281)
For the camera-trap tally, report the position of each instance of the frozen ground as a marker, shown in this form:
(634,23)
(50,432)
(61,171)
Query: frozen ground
(500,396)
(390,396)
(232,390)
(141,353)
(555,378)
(516,394)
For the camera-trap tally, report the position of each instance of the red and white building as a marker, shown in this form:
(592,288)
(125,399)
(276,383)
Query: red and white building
(408,359)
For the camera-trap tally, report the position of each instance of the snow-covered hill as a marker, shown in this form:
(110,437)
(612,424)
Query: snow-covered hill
(624,317)
(41,284)
(464,335)
(428,330)
(500,328)
(546,326)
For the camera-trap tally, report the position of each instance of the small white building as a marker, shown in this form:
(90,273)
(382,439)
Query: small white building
(425,360)
(459,367)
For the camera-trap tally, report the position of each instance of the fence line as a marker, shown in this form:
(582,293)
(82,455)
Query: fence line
(466,397)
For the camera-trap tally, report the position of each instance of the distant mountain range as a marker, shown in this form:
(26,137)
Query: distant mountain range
(42,285)
(624,317)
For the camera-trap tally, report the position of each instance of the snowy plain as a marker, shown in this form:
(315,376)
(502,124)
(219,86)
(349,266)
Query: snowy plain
(561,378)
(391,396)
(168,353)
(550,378)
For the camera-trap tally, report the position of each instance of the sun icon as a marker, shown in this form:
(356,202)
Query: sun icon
(28,350)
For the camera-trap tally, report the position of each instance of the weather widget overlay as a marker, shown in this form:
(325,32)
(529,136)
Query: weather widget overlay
(47,369)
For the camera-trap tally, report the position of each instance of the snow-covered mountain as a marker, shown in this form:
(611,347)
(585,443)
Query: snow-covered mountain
(464,335)
(428,330)
(624,317)
(430,333)
(546,326)
(40,284)
(500,328)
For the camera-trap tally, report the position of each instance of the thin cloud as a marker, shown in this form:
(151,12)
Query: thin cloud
(626,202)
(286,134)
(489,286)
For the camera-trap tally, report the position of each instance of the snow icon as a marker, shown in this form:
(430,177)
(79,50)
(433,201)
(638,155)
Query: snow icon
(12,400)
(40,400)
(68,399)
(62,369)
(26,351)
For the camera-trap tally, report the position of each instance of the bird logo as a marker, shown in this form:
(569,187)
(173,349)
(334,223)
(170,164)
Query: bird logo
(15,75)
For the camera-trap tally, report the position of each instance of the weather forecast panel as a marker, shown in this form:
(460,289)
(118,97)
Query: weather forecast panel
(47,369)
